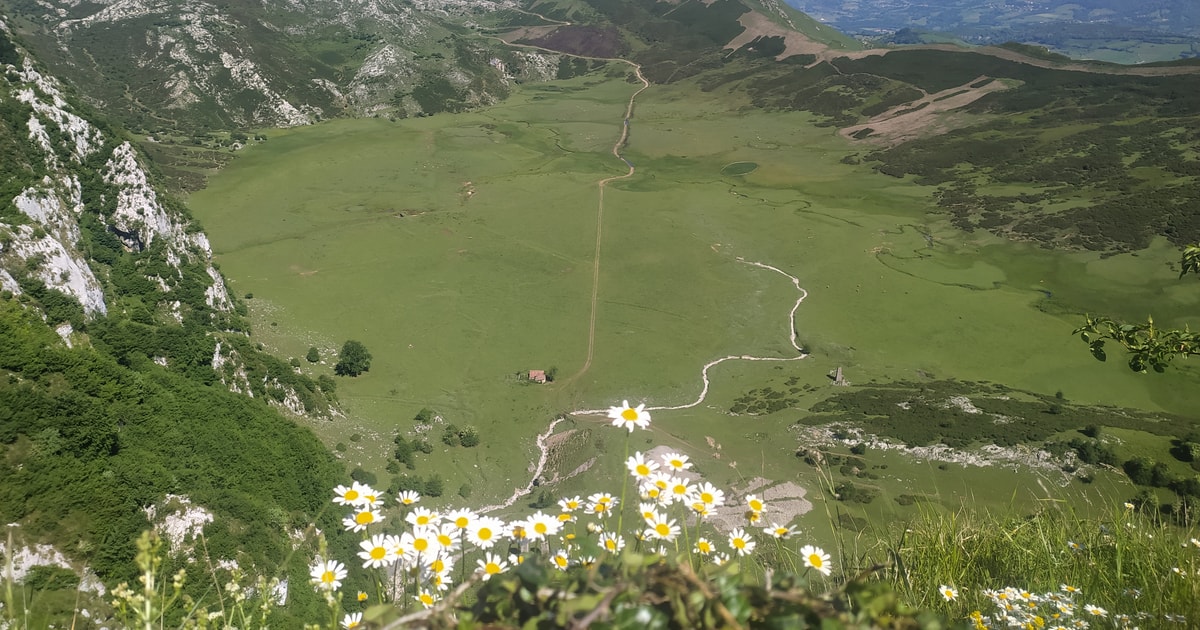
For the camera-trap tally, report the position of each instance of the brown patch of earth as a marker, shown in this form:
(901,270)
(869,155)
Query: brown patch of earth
(758,25)
(585,41)
(925,116)
(1012,55)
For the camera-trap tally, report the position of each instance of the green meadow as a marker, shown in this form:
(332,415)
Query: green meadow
(459,249)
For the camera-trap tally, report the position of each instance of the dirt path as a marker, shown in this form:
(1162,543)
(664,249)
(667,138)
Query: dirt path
(616,151)
(543,453)
(739,357)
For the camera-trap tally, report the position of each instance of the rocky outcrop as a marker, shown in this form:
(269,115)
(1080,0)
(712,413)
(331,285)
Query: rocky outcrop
(44,240)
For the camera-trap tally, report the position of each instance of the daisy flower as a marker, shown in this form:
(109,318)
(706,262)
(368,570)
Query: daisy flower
(755,504)
(347,496)
(679,489)
(352,621)
(704,547)
(779,531)
(408,497)
(570,505)
(447,536)
(539,526)
(711,495)
(741,542)
(426,599)
(587,562)
(362,597)
(720,558)
(422,540)
(629,417)
(423,516)
(676,462)
(461,519)
(561,560)
(662,529)
(1074,546)
(639,467)
(375,552)
(753,517)
(1070,590)
(602,508)
(490,565)
(816,558)
(949,593)
(361,519)
(1095,611)
(612,543)
(648,511)
(370,497)
(327,575)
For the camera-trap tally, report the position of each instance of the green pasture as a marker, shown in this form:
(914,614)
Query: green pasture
(458,249)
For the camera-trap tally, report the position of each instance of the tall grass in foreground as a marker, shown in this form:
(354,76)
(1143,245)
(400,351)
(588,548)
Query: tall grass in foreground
(1054,567)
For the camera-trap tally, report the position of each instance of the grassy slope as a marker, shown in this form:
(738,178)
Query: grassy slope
(483,287)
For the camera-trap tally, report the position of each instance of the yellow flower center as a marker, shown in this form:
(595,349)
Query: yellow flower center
(461,522)
(362,597)
(484,534)
(629,415)
(704,547)
(600,507)
(663,529)
(364,518)
(675,463)
(438,566)
(560,561)
(643,470)
(756,505)
(426,599)
(492,568)
(378,553)
(351,495)
(328,577)
(539,528)
(610,544)
(420,544)
(707,497)
(739,543)
(370,498)
(564,517)
(816,561)
(445,540)
(679,489)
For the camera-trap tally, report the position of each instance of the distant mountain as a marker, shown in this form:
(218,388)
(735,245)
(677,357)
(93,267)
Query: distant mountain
(1124,31)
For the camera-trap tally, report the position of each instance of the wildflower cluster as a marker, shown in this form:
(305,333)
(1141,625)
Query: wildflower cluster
(418,565)
(1064,609)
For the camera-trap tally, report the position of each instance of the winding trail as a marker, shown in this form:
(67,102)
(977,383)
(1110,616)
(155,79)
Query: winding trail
(537,472)
(739,357)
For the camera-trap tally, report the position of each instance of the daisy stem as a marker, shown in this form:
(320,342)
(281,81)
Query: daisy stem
(621,506)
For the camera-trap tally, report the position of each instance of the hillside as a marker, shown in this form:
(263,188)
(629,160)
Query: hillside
(128,387)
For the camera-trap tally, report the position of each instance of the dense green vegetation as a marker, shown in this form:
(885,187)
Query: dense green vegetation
(89,442)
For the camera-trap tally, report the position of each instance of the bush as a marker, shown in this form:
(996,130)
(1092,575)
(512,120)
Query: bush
(434,487)
(450,436)
(313,356)
(353,360)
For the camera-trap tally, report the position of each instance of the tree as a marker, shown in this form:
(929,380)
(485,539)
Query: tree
(353,359)
(1147,345)
(313,355)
